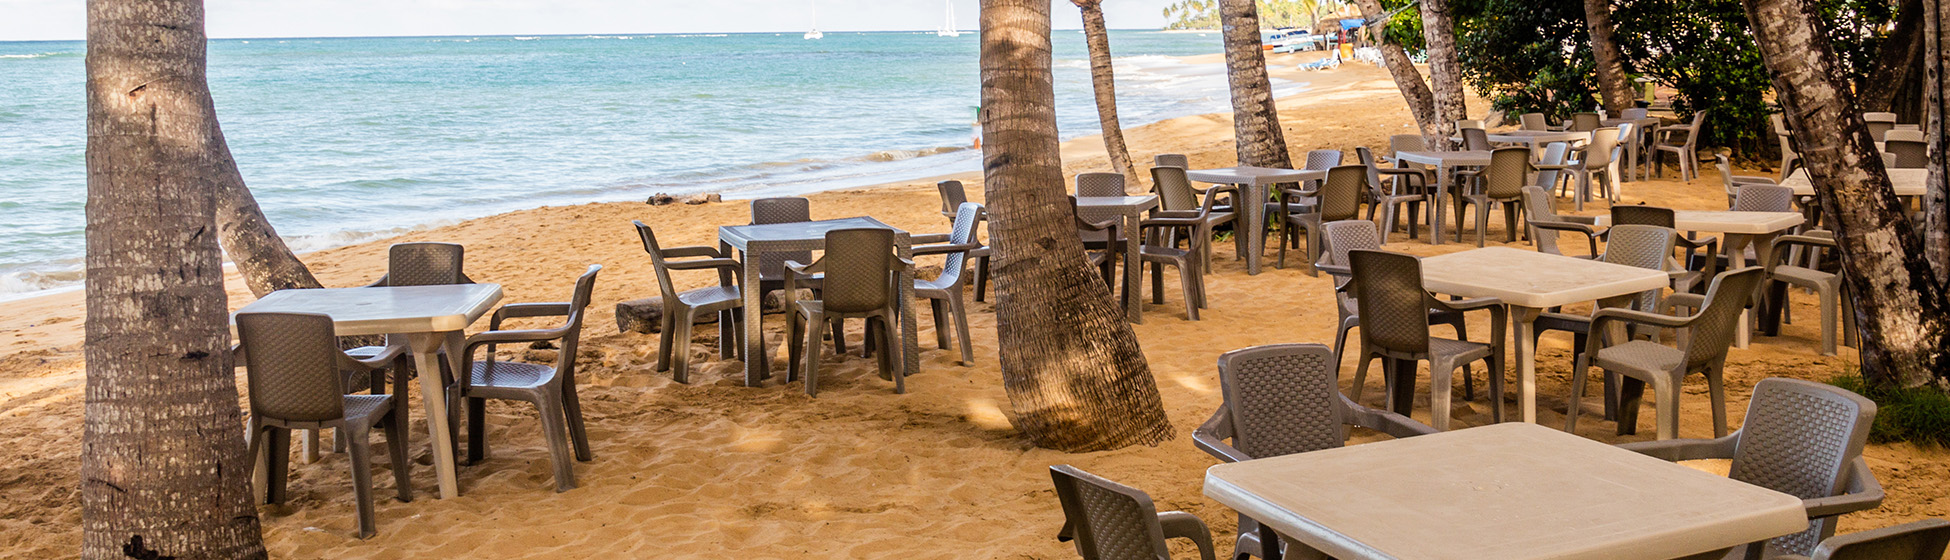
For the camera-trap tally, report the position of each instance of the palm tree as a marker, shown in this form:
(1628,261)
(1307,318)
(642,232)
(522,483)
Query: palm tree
(1445,73)
(1903,314)
(163,465)
(1255,121)
(1415,92)
(1070,363)
(1614,87)
(1936,101)
(1105,85)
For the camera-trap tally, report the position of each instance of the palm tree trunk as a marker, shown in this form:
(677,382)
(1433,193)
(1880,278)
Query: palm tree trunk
(1105,85)
(1936,101)
(1415,92)
(1898,67)
(163,460)
(1255,122)
(1898,302)
(1070,363)
(1614,87)
(266,264)
(1445,73)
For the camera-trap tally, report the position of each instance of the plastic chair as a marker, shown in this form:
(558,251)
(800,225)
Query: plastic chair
(1350,235)
(681,309)
(1761,197)
(1543,223)
(1790,158)
(1159,246)
(1639,246)
(1596,161)
(944,292)
(1476,139)
(1100,184)
(1684,151)
(1550,166)
(1585,122)
(1100,254)
(952,197)
(1338,199)
(294,370)
(1734,182)
(1111,521)
(552,389)
(1800,438)
(1836,303)
(860,268)
(1533,121)
(1703,343)
(1389,203)
(1282,399)
(771,264)
(1879,124)
(1910,154)
(1683,278)
(1503,183)
(1900,134)
(1394,311)
(1916,540)
(1178,199)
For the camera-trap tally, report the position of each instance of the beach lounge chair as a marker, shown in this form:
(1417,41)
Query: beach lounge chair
(944,293)
(1916,540)
(1836,303)
(295,372)
(952,197)
(1111,521)
(1800,438)
(1339,198)
(1503,183)
(682,308)
(1349,235)
(1703,342)
(552,389)
(1879,124)
(1910,154)
(1282,399)
(1177,199)
(860,270)
(1681,141)
(1394,310)
(1639,246)
(1543,222)
(1408,191)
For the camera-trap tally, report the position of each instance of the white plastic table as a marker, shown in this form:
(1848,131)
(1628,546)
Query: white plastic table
(1130,210)
(1738,230)
(428,317)
(1251,203)
(756,240)
(1529,282)
(1445,172)
(1506,491)
(1908,182)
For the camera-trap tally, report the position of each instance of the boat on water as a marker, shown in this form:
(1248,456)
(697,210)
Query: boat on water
(815,34)
(948,25)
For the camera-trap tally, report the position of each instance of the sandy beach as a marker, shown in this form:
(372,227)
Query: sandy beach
(716,470)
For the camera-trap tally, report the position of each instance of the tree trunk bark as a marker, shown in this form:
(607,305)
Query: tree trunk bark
(1445,73)
(1899,66)
(1255,122)
(1936,100)
(163,458)
(1898,302)
(1614,87)
(1105,84)
(266,264)
(1071,365)
(1415,92)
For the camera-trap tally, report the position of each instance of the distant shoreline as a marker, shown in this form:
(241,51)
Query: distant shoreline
(572,35)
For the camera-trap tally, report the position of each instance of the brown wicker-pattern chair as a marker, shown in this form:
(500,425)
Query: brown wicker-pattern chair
(1171,160)
(294,371)
(1879,124)
(1299,199)
(1901,134)
(1682,142)
(1111,521)
(1282,399)
(1503,183)
(1759,197)
(682,308)
(1790,158)
(1705,337)
(944,292)
(1836,301)
(1390,202)
(771,264)
(1684,277)
(1100,184)
(1100,254)
(1595,162)
(1639,246)
(1733,182)
(1800,438)
(552,389)
(861,269)
(1916,540)
(1394,310)
(1476,139)
(1544,223)
(952,197)
(1350,235)
(1339,198)
(1585,122)
(407,264)
(1178,199)
(1910,154)
(1533,121)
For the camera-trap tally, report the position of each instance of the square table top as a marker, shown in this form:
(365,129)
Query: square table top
(1125,203)
(742,236)
(1509,491)
(386,310)
(1533,279)
(1729,221)
(1460,157)
(1248,175)
(1529,136)
(1908,182)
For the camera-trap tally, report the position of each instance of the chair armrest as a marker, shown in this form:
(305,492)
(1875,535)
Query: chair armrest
(1630,316)
(1551,166)
(492,338)
(1150,223)
(1181,525)
(1335,270)
(1785,242)
(1671,302)
(1863,492)
(946,248)
(516,310)
(692,251)
(1156,214)
(382,360)
(1470,304)
(1750,179)
(1676,450)
(928,238)
(1210,438)
(1387,422)
(704,264)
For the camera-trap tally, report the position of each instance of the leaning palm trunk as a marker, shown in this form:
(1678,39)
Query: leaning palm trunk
(1105,85)
(1255,122)
(1936,100)
(1898,302)
(266,264)
(1445,73)
(1415,92)
(1070,363)
(163,464)
(1614,87)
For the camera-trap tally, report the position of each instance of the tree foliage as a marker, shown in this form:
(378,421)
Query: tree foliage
(1204,14)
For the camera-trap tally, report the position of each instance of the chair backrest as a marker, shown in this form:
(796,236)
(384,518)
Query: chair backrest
(1798,439)
(1533,121)
(859,270)
(952,195)
(1642,215)
(1393,306)
(1171,160)
(783,210)
(1509,169)
(1782,133)
(1537,207)
(1879,117)
(292,366)
(1407,143)
(1634,113)
(1713,329)
(1111,520)
(1584,122)
(1100,184)
(1604,144)
(1699,121)
(1764,198)
(1174,189)
(1467,124)
(967,217)
(1340,196)
(1494,118)
(1917,540)
(1348,235)
(1910,154)
(1323,159)
(1641,246)
(1476,139)
(1553,155)
(1366,157)
(1879,124)
(656,251)
(1900,134)
(1283,399)
(424,264)
(1725,167)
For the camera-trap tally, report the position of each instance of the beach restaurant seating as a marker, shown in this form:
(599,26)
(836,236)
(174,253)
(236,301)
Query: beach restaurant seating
(1543,222)
(1879,124)
(1388,201)
(860,270)
(1100,254)
(1595,162)
(1111,521)
(1641,246)
(1282,399)
(1683,277)
(552,389)
(1682,142)
(296,376)
(1349,235)
(1704,338)
(1503,183)
(952,197)
(1799,438)
(1178,199)
(1734,182)
(1836,303)
(1916,540)
(1910,154)
(1394,310)
(944,292)
(1339,198)
(1158,248)
(680,309)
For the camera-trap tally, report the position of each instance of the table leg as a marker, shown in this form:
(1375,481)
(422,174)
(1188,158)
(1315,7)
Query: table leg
(1444,173)
(1269,543)
(1523,321)
(433,395)
(757,364)
(1737,259)
(910,350)
(1133,269)
(1253,229)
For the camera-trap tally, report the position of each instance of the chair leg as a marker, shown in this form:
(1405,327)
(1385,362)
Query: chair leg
(1717,390)
(476,429)
(1576,398)
(572,413)
(1361,373)
(360,452)
(795,343)
(1188,283)
(725,348)
(1631,394)
(838,332)
(1313,249)
(981,279)
(680,347)
(1482,221)
(1510,220)
(279,472)
(1157,283)
(1496,363)
(664,339)
(960,311)
(937,309)
(558,445)
(1667,408)
(1340,339)
(816,322)
(1441,375)
(397,455)
(1830,308)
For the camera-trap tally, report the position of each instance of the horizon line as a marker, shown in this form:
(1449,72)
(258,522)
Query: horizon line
(593,34)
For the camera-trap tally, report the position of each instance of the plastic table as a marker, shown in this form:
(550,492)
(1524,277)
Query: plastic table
(756,240)
(1252,183)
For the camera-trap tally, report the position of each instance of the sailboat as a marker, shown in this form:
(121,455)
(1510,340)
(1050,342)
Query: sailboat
(948,26)
(815,34)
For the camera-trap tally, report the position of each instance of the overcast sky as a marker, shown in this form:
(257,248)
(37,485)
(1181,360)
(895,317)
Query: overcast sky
(64,19)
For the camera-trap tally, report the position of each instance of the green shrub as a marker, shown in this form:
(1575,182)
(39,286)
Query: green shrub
(1920,414)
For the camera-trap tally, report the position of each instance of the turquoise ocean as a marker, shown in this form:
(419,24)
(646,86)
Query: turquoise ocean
(349,139)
